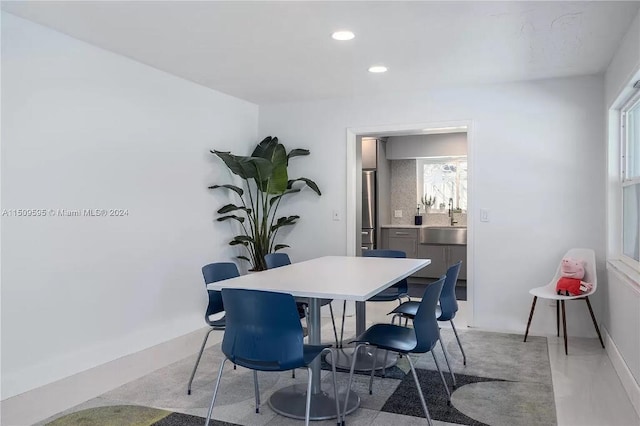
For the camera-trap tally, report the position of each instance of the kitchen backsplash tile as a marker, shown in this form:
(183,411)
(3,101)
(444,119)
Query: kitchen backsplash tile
(403,191)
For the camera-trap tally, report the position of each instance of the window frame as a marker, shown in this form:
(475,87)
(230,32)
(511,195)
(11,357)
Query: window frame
(439,160)
(624,181)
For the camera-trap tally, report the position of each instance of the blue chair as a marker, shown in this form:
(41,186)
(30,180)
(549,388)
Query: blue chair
(263,333)
(396,291)
(213,272)
(421,338)
(447,309)
(276,260)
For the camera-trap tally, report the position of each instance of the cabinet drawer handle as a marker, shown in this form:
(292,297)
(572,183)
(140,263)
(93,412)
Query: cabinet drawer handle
(402,233)
(365,233)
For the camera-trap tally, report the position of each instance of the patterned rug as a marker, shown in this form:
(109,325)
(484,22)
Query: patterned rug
(505,382)
(130,415)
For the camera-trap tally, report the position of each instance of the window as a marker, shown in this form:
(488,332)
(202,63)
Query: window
(630,179)
(446,179)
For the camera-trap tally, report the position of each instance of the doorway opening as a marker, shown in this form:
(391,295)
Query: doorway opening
(356,162)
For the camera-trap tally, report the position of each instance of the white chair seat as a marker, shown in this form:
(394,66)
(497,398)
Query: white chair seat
(549,292)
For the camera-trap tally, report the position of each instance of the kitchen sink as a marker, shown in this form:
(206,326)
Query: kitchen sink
(444,235)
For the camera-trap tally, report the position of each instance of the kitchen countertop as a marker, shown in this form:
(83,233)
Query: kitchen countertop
(422,226)
(405,226)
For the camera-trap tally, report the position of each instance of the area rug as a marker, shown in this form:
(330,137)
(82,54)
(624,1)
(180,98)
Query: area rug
(131,415)
(505,382)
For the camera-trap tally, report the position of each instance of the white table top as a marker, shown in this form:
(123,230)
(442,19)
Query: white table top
(329,277)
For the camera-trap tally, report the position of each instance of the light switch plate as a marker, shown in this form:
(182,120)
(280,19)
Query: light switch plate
(484,215)
(397,213)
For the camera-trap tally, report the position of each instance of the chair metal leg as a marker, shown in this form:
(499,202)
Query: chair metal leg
(333,321)
(533,306)
(293,373)
(446,358)
(257,390)
(415,377)
(444,382)
(307,410)
(335,383)
(353,365)
(373,369)
(558,317)
(595,323)
(344,310)
(564,326)
(384,365)
(464,357)
(215,391)
(195,367)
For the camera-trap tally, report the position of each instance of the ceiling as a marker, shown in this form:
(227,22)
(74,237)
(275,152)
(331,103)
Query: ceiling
(267,52)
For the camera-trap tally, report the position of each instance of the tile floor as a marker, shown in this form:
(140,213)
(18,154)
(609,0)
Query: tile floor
(586,388)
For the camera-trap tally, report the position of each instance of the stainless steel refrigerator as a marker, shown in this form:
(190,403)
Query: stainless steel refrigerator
(369,216)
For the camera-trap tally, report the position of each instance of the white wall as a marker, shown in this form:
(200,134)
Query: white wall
(538,168)
(87,129)
(622,298)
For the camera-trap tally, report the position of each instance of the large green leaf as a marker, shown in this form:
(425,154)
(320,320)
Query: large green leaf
(231,208)
(246,167)
(244,238)
(277,197)
(284,221)
(234,188)
(311,184)
(298,152)
(279,178)
(231,216)
(265,147)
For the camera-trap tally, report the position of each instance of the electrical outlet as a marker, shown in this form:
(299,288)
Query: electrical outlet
(397,213)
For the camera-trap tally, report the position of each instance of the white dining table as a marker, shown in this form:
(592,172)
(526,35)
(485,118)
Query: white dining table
(330,277)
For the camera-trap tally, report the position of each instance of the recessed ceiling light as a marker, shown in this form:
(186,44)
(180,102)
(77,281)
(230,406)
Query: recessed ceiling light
(342,35)
(378,68)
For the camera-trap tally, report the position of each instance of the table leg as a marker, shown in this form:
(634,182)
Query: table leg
(291,401)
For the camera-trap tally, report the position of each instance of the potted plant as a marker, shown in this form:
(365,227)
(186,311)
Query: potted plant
(428,202)
(266,182)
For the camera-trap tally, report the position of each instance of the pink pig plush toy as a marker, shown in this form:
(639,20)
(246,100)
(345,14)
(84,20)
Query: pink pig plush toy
(571,284)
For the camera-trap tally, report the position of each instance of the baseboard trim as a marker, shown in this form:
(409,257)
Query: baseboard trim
(629,383)
(43,402)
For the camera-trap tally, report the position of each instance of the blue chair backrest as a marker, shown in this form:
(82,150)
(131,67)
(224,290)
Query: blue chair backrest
(212,273)
(425,322)
(263,330)
(401,285)
(276,260)
(448,302)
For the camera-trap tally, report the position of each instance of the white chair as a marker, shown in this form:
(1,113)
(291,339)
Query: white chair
(549,292)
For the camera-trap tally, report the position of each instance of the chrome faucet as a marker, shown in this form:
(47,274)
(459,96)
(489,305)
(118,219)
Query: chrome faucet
(451,212)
